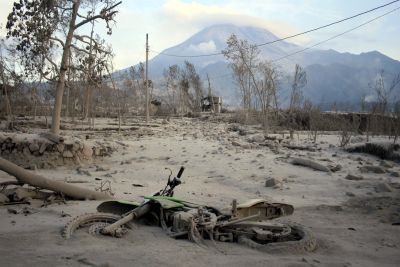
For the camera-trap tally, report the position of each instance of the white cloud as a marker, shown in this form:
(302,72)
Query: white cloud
(173,21)
(201,15)
(203,48)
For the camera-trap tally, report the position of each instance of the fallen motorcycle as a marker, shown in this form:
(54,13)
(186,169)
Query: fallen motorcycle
(249,223)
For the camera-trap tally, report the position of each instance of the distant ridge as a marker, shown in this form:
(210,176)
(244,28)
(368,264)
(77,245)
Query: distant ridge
(333,77)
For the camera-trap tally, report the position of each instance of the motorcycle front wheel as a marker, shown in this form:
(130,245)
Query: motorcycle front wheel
(94,222)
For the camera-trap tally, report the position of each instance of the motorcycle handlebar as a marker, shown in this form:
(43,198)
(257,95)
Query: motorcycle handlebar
(180,172)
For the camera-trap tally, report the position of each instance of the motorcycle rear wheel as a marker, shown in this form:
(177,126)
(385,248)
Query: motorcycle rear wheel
(300,240)
(89,220)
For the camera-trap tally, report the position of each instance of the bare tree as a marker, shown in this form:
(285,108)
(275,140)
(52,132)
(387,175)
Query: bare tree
(243,58)
(296,96)
(185,100)
(315,119)
(258,81)
(184,88)
(89,71)
(110,70)
(196,85)
(381,108)
(298,82)
(383,93)
(6,85)
(396,121)
(133,86)
(10,83)
(266,90)
(171,77)
(349,126)
(38,27)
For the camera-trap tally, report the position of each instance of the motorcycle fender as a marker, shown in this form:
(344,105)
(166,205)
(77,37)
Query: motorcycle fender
(266,209)
(166,202)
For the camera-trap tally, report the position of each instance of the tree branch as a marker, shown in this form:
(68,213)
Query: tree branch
(58,40)
(81,38)
(81,16)
(51,61)
(80,49)
(103,15)
(44,75)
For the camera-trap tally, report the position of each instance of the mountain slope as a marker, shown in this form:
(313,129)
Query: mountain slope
(332,76)
(213,40)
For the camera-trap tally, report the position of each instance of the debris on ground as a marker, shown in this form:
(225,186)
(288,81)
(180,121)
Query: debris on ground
(354,177)
(382,150)
(310,163)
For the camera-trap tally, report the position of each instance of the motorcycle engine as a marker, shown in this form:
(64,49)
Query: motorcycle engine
(181,220)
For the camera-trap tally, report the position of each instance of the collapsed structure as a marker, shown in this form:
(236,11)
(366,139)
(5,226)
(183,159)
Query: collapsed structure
(211,104)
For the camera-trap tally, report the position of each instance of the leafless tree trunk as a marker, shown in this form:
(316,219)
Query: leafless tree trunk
(171,75)
(5,83)
(266,91)
(116,90)
(243,59)
(89,73)
(55,124)
(296,96)
(299,81)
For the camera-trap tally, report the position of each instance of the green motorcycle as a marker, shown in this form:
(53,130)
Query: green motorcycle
(249,223)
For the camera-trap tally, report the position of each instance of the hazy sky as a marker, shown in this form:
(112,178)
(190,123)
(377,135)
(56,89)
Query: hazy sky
(170,22)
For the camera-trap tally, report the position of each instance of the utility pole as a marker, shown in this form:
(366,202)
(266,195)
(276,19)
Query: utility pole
(147,79)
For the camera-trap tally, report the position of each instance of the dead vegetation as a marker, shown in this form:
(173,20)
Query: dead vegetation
(382,150)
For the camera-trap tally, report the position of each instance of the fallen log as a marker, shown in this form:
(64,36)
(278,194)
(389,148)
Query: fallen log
(36,180)
(14,203)
(311,164)
(294,147)
(53,137)
(7,183)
